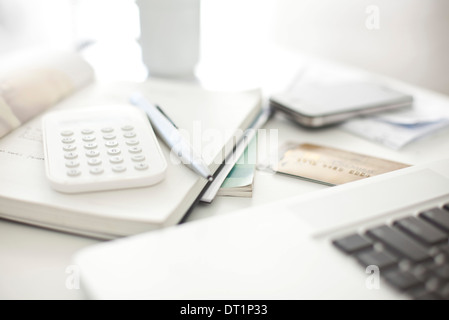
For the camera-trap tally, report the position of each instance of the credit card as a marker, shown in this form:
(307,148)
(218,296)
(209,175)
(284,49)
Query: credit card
(331,166)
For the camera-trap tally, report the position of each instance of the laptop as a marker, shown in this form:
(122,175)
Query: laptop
(384,237)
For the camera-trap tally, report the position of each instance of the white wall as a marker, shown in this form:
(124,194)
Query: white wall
(412,42)
(25,23)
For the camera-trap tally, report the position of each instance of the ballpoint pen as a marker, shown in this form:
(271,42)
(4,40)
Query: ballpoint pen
(169,132)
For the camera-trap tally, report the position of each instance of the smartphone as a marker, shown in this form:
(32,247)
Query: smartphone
(319,105)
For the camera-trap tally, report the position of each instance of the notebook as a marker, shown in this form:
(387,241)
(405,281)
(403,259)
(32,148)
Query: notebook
(26,196)
(240,181)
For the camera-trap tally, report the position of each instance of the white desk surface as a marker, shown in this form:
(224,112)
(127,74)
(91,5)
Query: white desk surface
(34,260)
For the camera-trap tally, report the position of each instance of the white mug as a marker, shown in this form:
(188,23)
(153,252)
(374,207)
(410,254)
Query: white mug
(170,36)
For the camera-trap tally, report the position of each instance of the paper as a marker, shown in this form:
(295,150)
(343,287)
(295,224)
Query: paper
(233,157)
(31,89)
(239,182)
(391,135)
(399,128)
(331,166)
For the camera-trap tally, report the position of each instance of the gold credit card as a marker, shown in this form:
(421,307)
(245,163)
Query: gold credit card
(331,166)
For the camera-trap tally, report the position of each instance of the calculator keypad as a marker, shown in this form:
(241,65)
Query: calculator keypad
(103,151)
(101,148)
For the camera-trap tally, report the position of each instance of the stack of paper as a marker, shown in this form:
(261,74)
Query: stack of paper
(399,128)
(240,181)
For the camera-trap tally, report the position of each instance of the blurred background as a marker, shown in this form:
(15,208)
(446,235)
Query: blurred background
(404,39)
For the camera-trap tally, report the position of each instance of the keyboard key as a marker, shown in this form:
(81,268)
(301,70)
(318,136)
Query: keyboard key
(94,161)
(119,168)
(96,170)
(111,144)
(72,164)
(434,284)
(109,136)
(438,217)
(444,249)
(138,158)
(444,292)
(92,153)
(130,134)
(353,243)
(132,142)
(401,280)
(73,172)
(116,159)
(91,145)
(69,147)
(442,272)
(423,271)
(428,296)
(107,130)
(141,166)
(380,259)
(114,151)
(421,293)
(66,133)
(89,138)
(135,149)
(68,140)
(422,231)
(87,131)
(127,128)
(71,155)
(399,243)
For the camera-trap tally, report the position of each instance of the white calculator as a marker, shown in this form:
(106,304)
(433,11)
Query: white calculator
(101,148)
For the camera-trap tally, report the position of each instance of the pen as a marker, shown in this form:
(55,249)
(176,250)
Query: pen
(169,132)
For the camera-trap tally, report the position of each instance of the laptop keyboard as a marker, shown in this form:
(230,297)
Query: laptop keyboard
(412,253)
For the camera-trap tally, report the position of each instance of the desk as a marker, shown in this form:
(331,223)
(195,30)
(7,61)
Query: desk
(34,261)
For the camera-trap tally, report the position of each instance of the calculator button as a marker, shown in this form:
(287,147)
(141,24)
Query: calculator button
(111,144)
(68,140)
(89,138)
(69,147)
(132,142)
(107,130)
(92,153)
(135,149)
(116,159)
(73,172)
(131,134)
(109,136)
(96,170)
(94,161)
(119,168)
(72,164)
(114,151)
(90,145)
(138,158)
(87,131)
(71,155)
(66,133)
(141,166)
(127,128)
